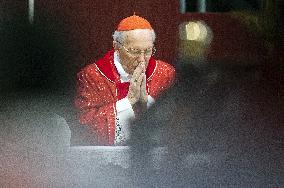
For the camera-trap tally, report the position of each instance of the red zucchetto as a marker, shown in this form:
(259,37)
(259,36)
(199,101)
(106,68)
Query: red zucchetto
(133,22)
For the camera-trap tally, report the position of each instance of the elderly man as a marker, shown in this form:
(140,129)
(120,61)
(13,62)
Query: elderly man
(114,90)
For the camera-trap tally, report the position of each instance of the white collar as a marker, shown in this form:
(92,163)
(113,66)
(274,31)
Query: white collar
(124,76)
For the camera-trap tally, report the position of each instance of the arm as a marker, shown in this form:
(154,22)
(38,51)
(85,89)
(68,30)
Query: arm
(95,102)
(163,78)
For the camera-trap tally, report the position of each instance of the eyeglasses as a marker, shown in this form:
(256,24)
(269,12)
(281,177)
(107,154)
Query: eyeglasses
(136,53)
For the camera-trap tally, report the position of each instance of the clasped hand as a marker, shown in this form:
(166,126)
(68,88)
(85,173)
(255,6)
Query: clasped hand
(137,88)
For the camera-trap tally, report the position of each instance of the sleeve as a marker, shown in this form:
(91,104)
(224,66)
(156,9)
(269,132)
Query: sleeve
(95,104)
(150,102)
(124,109)
(125,112)
(125,115)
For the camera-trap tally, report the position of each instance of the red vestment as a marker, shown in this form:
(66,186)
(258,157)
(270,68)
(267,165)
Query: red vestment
(99,88)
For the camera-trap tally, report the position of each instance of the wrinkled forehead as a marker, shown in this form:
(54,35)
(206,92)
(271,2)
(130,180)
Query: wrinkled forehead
(139,37)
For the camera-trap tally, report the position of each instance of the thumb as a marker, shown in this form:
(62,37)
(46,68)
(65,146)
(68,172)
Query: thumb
(143,86)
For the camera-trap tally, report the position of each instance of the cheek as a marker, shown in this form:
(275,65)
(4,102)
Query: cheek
(129,64)
(132,63)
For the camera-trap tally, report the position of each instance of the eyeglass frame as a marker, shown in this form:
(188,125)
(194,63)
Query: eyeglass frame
(153,51)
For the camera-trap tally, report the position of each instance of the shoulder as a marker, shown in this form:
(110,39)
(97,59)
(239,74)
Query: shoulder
(90,69)
(162,78)
(89,73)
(164,66)
(101,68)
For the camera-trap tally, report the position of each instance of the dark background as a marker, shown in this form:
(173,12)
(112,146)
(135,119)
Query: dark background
(90,24)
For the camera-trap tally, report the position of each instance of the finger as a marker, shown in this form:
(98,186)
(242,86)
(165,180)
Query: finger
(143,90)
(143,66)
(135,84)
(135,88)
(143,85)
(139,70)
(140,79)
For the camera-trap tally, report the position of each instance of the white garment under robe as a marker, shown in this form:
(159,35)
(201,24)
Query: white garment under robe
(125,113)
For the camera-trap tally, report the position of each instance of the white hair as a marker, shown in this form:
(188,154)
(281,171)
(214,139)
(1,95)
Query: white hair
(119,36)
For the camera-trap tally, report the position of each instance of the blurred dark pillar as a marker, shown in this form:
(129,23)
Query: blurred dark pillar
(10,9)
(222,5)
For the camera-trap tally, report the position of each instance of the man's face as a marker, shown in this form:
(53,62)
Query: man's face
(135,49)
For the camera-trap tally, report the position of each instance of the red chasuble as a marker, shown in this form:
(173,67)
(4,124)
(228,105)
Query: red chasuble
(99,88)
